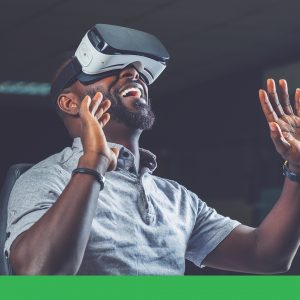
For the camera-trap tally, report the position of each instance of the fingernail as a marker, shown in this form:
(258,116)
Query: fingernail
(271,83)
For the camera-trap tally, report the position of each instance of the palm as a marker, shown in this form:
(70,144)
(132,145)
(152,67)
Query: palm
(94,116)
(279,110)
(290,124)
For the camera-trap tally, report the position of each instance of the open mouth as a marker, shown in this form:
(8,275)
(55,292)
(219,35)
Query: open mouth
(132,92)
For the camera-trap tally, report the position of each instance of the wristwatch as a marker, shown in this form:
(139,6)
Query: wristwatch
(99,177)
(289,174)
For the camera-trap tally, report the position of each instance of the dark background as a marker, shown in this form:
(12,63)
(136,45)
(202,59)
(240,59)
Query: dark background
(210,133)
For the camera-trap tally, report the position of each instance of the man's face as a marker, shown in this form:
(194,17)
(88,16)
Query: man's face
(129,98)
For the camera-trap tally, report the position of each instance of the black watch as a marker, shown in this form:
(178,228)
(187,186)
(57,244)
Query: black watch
(289,174)
(99,177)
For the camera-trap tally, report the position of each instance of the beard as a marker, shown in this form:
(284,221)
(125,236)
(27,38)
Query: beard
(143,118)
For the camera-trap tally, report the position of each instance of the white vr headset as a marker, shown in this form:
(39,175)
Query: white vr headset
(107,49)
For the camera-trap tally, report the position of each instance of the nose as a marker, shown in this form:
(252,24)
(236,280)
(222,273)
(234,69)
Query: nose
(130,72)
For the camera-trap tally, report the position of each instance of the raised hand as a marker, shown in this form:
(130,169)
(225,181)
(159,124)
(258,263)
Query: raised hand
(94,116)
(284,121)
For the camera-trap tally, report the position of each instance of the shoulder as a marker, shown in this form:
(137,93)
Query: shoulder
(60,160)
(174,189)
(168,183)
(54,170)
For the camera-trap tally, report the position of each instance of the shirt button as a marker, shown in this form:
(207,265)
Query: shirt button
(125,154)
(7,235)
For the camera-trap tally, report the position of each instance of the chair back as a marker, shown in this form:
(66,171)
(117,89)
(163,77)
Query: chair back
(12,175)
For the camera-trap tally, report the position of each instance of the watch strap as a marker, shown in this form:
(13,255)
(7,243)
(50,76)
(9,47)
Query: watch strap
(289,174)
(99,177)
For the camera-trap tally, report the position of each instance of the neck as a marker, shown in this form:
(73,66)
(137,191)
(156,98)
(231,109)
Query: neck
(118,133)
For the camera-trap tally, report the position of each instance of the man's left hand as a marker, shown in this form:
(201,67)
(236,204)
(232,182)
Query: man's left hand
(284,121)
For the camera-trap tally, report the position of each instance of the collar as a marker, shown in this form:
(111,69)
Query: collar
(147,158)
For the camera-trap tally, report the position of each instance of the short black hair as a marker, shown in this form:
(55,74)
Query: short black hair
(65,58)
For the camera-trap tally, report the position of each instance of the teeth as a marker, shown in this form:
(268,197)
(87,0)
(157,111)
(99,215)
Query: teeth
(125,92)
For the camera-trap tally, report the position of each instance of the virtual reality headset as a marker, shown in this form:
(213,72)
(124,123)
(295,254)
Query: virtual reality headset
(107,49)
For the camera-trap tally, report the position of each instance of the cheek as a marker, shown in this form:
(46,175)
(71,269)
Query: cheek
(115,98)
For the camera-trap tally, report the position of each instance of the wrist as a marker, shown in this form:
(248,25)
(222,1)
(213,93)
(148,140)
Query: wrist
(94,161)
(291,172)
(294,168)
(99,177)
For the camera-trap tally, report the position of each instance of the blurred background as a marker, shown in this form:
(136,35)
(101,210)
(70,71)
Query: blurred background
(210,133)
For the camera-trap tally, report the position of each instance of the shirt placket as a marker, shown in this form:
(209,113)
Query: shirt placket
(148,210)
(144,204)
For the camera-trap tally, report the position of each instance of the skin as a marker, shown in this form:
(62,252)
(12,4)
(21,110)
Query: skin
(270,248)
(43,249)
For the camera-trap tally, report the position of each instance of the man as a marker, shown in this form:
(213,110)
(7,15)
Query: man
(61,221)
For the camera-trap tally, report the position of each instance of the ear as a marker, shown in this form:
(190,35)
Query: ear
(68,103)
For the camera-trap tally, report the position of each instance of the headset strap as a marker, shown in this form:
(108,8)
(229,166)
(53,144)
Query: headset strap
(66,77)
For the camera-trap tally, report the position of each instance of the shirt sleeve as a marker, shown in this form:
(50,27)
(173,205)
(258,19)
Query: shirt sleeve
(209,231)
(32,195)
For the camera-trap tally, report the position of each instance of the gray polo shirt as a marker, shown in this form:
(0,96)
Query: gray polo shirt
(143,225)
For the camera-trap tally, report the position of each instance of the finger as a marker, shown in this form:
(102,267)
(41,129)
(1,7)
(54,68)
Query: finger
(116,151)
(105,105)
(86,102)
(280,140)
(113,163)
(297,102)
(96,102)
(271,88)
(104,119)
(99,113)
(267,107)
(85,106)
(285,99)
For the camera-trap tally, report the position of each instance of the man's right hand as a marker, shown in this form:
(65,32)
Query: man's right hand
(97,154)
(43,249)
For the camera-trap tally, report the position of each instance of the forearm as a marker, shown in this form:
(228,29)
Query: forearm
(56,243)
(278,236)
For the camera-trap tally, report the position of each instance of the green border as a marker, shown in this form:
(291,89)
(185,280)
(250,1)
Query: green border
(144,288)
